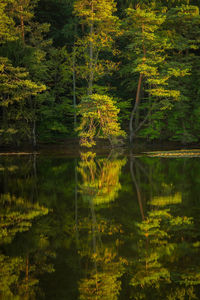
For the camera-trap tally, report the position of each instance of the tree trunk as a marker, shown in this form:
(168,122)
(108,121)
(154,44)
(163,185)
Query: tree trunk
(22,23)
(137,100)
(33,121)
(91,75)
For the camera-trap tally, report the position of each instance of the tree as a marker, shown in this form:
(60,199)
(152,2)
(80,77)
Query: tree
(18,86)
(15,88)
(148,56)
(7,25)
(186,44)
(99,117)
(98,17)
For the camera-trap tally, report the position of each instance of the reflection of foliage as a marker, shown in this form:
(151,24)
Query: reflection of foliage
(166,200)
(9,275)
(105,265)
(104,284)
(156,230)
(165,251)
(9,168)
(100,185)
(19,273)
(107,254)
(100,178)
(17,216)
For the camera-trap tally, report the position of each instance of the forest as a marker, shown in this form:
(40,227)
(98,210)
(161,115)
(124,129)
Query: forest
(121,70)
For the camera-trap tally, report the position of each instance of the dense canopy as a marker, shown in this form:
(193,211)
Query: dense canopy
(140,56)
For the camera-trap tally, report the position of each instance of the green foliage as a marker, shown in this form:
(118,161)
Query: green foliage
(93,49)
(100,119)
(16,88)
(154,35)
(55,52)
(54,109)
(7,25)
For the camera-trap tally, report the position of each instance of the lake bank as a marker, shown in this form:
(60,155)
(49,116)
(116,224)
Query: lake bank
(71,147)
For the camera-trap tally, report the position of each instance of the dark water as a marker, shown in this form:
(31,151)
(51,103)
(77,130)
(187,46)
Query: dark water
(99,228)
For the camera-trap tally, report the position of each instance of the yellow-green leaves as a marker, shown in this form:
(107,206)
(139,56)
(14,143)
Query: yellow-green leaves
(15,84)
(99,117)
(95,10)
(100,27)
(7,30)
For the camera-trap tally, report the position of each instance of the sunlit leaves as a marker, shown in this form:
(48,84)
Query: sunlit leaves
(99,119)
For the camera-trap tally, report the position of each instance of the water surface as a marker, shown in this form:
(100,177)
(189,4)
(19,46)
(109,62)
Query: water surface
(92,227)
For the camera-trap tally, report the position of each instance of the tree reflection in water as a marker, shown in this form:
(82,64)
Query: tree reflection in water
(99,228)
(100,186)
(19,271)
(166,262)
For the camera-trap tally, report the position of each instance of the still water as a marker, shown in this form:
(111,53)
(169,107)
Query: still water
(109,227)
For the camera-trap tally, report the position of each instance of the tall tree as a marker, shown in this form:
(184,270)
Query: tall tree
(100,25)
(97,17)
(152,55)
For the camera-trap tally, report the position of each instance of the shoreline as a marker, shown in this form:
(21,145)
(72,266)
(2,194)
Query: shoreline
(72,148)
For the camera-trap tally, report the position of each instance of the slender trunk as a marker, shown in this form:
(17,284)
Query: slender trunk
(143,122)
(33,109)
(137,113)
(22,23)
(145,119)
(74,80)
(90,87)
(137,100)
(137,117)
(91,75)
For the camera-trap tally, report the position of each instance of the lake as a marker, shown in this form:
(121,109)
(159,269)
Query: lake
(96,227)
